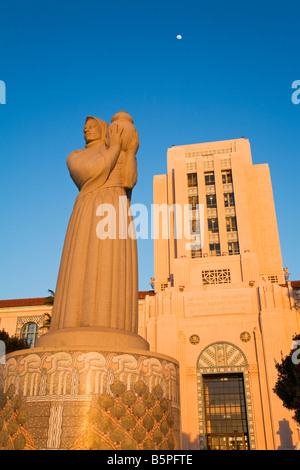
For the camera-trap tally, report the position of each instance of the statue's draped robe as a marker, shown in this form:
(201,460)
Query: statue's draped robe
(97,284)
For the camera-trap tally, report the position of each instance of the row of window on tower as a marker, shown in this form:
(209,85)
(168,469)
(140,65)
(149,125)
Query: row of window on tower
(212,213)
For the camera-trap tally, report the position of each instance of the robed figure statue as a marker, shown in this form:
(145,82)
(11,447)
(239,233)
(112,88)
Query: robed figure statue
(96,297)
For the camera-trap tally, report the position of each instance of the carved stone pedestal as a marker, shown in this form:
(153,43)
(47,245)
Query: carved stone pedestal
(89,399)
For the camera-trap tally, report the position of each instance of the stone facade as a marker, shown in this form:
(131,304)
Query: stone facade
(223,291)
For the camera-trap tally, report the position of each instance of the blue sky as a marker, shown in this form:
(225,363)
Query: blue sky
(229,76)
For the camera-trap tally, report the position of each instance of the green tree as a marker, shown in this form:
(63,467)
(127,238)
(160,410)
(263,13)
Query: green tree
(50,299)
(12,343)
(46,322)
(287,387)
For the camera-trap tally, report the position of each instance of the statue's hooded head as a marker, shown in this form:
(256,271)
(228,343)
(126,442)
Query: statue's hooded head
(94,130)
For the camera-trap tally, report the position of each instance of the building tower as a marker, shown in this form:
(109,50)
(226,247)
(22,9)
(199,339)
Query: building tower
(239,228)
(222,306)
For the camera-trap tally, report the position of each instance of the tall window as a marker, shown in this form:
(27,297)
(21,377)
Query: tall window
(225,412)
(231,225)
(233,248)
(211,201)
(209,178)
(195,226)
(213,226)
(229,200)
(30,333)
(214,249)
(192,180)
(226,176)
(193,200)
(196,253)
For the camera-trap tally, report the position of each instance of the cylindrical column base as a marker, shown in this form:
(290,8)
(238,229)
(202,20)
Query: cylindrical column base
(92,337)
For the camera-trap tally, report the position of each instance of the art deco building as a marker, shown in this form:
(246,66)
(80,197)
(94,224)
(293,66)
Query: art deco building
(222,306)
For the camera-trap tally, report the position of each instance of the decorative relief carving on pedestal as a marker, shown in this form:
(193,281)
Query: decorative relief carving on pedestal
(143,389)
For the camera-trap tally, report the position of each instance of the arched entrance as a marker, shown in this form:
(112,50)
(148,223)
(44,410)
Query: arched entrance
(224,399)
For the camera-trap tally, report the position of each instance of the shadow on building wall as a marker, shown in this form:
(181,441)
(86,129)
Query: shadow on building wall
(285,434)
(188,443)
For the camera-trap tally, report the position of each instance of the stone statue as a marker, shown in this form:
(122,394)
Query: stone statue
(96,298)
(93,352)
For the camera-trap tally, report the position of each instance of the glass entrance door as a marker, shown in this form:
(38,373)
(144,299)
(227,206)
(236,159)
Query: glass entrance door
(225,412)
(227,442)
